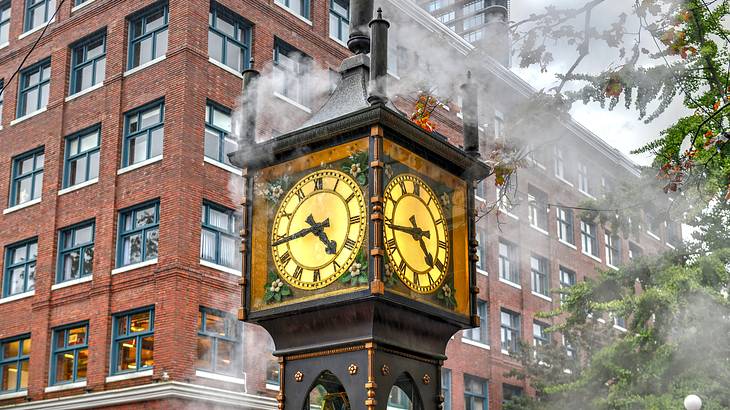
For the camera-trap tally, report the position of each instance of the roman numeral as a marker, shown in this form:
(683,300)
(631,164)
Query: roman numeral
(318,184)
(442,244)
(337,181)
(389,196)
(355,219)
(402,266)
(440,265)
(298,273)
(391,243)
(416,279)
(287,215)
(438,221)
(300,194)
(336,265)
(430,279)
(417,189)
(429,200)
(317,277)
(350,198)
(285,258)
(403,186)
(349,244)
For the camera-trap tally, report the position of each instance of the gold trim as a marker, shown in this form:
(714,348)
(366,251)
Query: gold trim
(282,383)
(328,352)
(409,356)
(377,286)
(371,386)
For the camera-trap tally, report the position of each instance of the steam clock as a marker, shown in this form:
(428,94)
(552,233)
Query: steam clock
(358,241)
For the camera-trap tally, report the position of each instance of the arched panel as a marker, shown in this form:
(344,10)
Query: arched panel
(404,394)
(327,393)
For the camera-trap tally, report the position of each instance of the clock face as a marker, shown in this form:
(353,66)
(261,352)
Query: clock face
(318,229)
(416,234)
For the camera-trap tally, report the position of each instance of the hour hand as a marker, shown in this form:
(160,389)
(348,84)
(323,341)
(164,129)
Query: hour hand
(318,229)
(416,233)
(295,235)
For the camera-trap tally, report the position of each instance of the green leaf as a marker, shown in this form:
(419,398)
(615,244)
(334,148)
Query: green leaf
(345,278)
(277,297)
(363,278)
(267,296)
(285,291)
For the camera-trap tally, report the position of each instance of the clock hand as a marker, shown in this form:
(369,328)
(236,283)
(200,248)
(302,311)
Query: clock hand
(330,246)
(427,254)
(312,229)
(415,233)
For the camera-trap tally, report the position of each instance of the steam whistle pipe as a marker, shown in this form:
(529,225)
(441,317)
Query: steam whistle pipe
(250,98)
(470,116)
(361,11)
(379,60)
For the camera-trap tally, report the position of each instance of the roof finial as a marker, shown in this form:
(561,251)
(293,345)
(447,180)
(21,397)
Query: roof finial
(380,13)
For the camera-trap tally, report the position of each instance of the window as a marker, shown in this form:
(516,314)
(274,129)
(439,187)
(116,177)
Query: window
(14,358)
(38,12)
(218,342)
(218,140)
(35,82)
(606,185)
(674,233)
(565,225)
(133,341)
(540,275)
(583,179)
(298,7)
(340,19)
(147,36)
(229,38)
(476,395)
(653,224)
(2,100)
(480,334)
(437,4)
(482,249)
(219,236)
(138,234)
(570,351)
(510,331)
(538,209)
(567,280)
(589,238)
(290,70)
(20,262)
(88,63)
(473,21)
(144,129)
(613,249)
(27,183)
(446,387)
(508,262)
(79,2)
(473,36)
(473,7)
(559,163)
(540,337)
(82,157)
(510,392)
(76,252)
(69,354)
(4,22)
(634,251)
(498,124)
(445,18)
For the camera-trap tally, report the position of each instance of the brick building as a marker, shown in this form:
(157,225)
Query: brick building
(119,259)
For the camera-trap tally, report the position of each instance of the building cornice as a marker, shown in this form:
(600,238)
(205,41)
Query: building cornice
(155,391)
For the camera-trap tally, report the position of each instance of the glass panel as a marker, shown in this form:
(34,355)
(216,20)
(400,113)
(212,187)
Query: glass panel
(77,171)
(122,325)
(64,367)
(229,253)
(218,219)
(88,263)
(140,322)
(4,32)
(60,339)
(212,144)
(150,117)
(17,280)
(94,165)
(127,355)
(24,373)
(18,255)
(161,43)
(37,185)
(234,56)
(89,141)
(31,277)
(9,377)
(203,360)
(133,124)
(34,77)
(229,146)
(83,362)
(44,95)
(222,120)
(155,20)
(36,17)
(151,244)
(226,25)
(341,7)
(215,46)
(207,245)
(148,348)
(145,216)
(85,78)
(71,265)
(11,349)
(31,101)
(95,48)
(77,336)
(25,166)
(225,356)
(156,142)
(100,70)
(142,52)
(136,28)
(215,324)
(132,249)
(138,149)
(26,347)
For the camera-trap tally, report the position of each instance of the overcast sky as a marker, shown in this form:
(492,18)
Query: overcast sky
(620,127)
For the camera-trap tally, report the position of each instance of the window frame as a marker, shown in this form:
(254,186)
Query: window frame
(446,388)
(48,11)
(223,135)
(589,238)
(137,112)
(241,27)
(512,258)
(63,249)
(612,245)
(77,66)
(137,336)
(564,272)
(236,339)
(69,157)
(18,360)
(5,5)
(27,243)
(16,178)
(565,224)
(24,89)
(480,334)
(122,233)
(559,163)
(543,338)
(75,349)
(541,276)
(469,396)
(132,41)
(515,391)
(341,35)
(283,48)
(537,204)
(306,7)
(514,328)
(206,226)
(584,182)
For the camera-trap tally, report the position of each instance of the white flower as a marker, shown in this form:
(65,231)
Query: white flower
(355,269)
(388,171)
(276,285)
(445,199)
(276,191)
(355,169)
(447,290)
(388,270)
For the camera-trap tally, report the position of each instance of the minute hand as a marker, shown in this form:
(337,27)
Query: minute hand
(301,233)
(416,233)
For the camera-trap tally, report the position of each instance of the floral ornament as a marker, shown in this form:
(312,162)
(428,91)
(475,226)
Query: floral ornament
(275,289)
(388,272)
(446,296)
(445,200)
(274,190)
(388,171)
(357,166)
(358,272)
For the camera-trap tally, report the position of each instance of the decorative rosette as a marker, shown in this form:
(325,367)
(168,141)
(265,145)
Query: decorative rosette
(356,166)
(358,272)
(446,296)
(275,289)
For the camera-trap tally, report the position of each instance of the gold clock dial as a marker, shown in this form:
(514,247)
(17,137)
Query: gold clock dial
(416,233)
(318,229)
